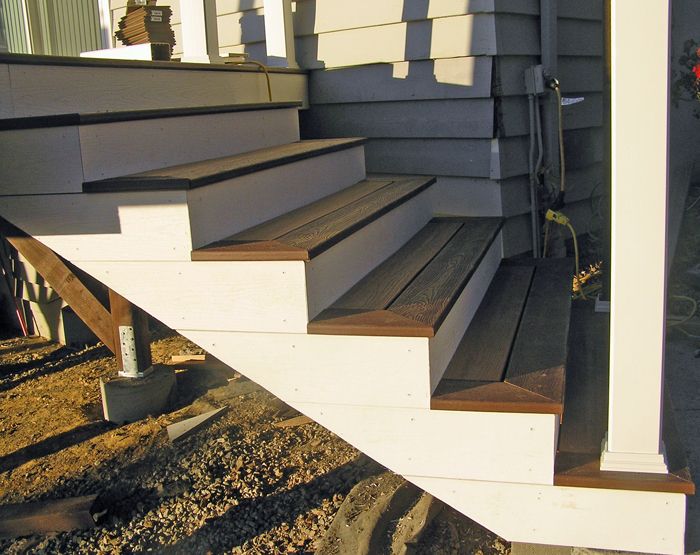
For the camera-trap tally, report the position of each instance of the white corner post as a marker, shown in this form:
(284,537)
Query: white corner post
(200,35)
(638,198)
(279,33)
(105,15)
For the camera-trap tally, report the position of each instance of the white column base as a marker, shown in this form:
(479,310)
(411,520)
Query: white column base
(633,462)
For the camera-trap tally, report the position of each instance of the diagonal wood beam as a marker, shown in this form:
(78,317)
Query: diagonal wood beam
(63,281)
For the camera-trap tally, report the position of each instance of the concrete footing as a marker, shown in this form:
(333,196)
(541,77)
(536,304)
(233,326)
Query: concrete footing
(131,399)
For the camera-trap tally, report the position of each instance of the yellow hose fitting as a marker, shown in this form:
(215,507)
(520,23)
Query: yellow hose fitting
(556,217)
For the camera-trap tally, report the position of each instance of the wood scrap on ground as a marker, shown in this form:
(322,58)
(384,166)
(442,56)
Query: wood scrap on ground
(292,422)
(178,359)
(185,428)
(201,362)
(44,517)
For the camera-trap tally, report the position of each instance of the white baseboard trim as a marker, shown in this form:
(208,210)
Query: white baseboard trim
(633,462)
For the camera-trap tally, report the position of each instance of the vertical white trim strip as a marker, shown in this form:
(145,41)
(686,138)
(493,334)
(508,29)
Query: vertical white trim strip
(279,33)
(105,15)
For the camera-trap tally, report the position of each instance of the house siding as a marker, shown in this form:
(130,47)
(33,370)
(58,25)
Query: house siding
(580,72)
(437,87)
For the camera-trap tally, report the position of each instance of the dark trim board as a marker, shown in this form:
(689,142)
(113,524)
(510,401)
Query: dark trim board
(34,59)
(62,120)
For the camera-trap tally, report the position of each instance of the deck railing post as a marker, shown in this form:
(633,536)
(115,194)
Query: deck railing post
(200,36)
(279,33)
(638,267)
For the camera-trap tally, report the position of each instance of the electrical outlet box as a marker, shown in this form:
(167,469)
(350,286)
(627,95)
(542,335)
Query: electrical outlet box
(534,80)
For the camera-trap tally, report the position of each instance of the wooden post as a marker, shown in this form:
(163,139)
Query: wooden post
(279,33)
(63,281)
(131,338)
(639,198)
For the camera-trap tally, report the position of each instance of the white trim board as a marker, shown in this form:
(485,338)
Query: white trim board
(456,444)
(343,370)
(66,89)
(40,161)
(597,518)
(252,296)
(151,225)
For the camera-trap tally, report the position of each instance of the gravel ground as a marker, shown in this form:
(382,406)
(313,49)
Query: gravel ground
(241,485)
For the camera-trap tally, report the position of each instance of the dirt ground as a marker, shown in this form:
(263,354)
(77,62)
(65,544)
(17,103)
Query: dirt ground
(241,485)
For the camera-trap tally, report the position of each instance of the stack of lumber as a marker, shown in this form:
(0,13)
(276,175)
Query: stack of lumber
(146,24)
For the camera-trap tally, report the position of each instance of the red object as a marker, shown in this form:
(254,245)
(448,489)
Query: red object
(696,71)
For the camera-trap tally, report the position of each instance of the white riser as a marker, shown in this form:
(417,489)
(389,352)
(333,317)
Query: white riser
(649,522)
(48,160)
(225,208)
(66,89)
(249,296)
(332,273)
(121,148)
(40,161)
(328,368)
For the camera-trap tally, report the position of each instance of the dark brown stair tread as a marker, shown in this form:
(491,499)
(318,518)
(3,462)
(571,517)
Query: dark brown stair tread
(367,322)
(61,120)
(411,292)
(585,421)
(273,229)
(319,235)
(501,364)
(429,297)
(205,172)
(489,397)
(483,352)
(386,282)
(313,229)
(542,340)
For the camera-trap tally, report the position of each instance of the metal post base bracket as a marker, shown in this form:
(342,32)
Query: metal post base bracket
(130,361)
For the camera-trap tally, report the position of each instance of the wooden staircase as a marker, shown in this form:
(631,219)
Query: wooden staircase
(346,295)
